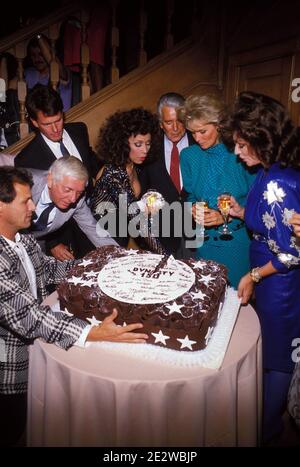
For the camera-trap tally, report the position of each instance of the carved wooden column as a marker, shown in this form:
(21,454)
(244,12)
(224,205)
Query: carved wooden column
(85,56)
(21,88)
(169,39)
(114,71)
(143,27)
(54,66)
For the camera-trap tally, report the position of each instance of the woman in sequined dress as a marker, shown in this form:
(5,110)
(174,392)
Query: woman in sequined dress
(126,140)
(264,135)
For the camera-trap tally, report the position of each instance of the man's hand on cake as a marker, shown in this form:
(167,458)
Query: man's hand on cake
(245,288)
(61,252)
(108,330)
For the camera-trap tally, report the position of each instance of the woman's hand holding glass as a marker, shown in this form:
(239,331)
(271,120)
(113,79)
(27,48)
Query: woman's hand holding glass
(206,216)
(236,210)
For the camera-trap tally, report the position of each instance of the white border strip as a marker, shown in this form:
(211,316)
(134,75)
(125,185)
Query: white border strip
(210,357)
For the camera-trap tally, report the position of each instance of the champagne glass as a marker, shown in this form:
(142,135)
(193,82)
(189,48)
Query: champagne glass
(224,206)
(203,204)
(154,201)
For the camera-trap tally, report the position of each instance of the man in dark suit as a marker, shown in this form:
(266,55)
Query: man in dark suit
(25,272)
(164,174)
(54,140)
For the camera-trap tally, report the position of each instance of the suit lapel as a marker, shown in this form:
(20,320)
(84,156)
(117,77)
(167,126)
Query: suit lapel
(78,139)
(46,153)
(14,263)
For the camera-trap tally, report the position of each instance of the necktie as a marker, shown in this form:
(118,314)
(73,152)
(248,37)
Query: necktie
(174,168)
(63,149)
(42,222)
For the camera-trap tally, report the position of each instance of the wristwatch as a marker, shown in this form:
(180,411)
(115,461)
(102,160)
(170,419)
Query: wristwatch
(255,275)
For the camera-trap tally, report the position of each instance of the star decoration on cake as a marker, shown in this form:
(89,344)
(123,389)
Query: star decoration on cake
(198,265)
(85,262)
(160,337)
(186,343)
(91,274)
(75,280)
(208,335)
(94,321)
(206,279)
(198,295)
(131,252)
(171,260)
(174,308)
(88,283)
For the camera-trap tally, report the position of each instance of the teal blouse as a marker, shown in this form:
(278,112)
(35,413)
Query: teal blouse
(206,174)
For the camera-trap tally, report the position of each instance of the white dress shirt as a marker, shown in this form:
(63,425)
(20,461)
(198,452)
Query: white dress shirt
(43,203)
(168,145)
(55,146)
(19,248)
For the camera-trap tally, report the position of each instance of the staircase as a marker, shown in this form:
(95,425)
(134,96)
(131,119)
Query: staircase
(193,65)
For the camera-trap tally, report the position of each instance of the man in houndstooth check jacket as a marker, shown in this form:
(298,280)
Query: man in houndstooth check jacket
(24,273)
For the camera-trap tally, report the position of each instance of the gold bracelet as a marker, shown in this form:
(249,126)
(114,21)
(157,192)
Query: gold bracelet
(255,275)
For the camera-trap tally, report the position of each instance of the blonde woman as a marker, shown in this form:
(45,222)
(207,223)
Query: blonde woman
(208,169)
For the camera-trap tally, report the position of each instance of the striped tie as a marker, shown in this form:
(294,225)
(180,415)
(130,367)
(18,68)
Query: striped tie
(42,222)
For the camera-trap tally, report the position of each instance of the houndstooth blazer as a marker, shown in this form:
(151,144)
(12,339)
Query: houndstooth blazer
(23,318)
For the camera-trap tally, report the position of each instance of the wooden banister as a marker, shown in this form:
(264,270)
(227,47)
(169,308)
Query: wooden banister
(8,43)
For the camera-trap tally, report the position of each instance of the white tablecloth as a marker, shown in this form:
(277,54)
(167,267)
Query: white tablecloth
(96,397)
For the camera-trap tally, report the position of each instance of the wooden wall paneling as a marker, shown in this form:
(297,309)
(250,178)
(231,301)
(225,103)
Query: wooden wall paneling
(268,69)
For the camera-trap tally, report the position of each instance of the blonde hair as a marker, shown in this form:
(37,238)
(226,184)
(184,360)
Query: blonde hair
(208,109)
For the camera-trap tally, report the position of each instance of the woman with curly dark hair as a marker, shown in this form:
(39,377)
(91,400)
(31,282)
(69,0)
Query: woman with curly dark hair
(264,134)
(126,140)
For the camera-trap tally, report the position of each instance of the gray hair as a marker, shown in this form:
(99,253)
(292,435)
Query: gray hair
(208,109)
(68,167)
(170,99)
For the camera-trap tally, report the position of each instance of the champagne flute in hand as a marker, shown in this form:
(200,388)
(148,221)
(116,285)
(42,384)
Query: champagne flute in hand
(224,206)
(203,204)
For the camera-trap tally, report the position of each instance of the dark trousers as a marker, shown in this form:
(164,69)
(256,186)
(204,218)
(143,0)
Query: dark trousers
(13,413)
(276,387)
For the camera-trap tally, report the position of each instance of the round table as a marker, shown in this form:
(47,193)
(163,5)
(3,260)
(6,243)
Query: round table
(95,397)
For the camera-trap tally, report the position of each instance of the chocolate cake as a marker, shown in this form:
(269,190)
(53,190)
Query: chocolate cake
(178,302)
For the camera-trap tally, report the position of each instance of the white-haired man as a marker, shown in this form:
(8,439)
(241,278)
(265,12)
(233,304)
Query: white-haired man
(59,196)
(164,174)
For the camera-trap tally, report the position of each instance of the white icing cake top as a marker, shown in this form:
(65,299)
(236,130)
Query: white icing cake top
(132,279)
